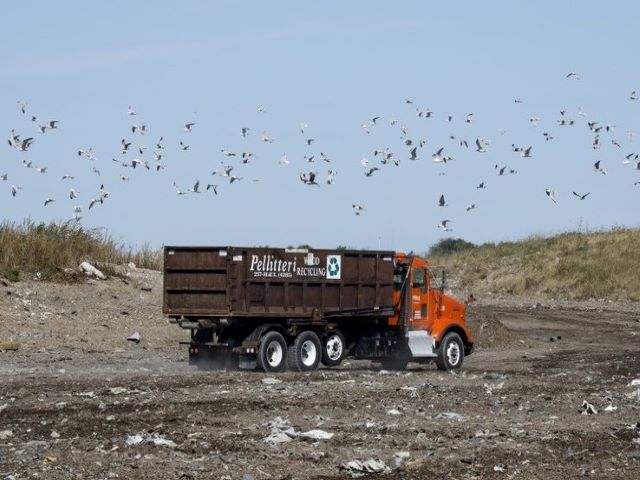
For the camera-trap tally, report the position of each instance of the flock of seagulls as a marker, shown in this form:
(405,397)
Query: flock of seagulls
(152,156)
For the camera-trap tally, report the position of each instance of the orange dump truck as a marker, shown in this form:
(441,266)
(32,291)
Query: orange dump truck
(297,308)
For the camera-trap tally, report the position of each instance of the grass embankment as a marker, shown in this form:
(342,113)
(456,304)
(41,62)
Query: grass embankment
(567,266)
(54,250)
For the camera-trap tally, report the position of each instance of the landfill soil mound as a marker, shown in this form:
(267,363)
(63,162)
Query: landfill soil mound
(488,330)
(551,392)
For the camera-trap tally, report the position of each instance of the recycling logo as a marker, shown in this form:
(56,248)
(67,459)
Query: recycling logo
(333,267)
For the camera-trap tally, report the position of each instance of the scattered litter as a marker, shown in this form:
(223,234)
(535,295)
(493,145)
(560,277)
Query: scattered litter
(91,271)
(358,468)
(134,337)
(449,416)
(588,409)
(499,468)
(276,438)
(54,434)
(394,411)
(400,457)
(635,382)
(118,390)
(90,394)
(4,406)
(271,381)
(50,459)
(149,438)
(383,372)
(5,434)
(131,265)
(610,408)
(316,435)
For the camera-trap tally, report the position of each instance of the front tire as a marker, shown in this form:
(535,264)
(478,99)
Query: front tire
(334,349)
(272,356)
(305,353)
(450,352)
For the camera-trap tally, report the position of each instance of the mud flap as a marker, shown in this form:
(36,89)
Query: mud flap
(421,344)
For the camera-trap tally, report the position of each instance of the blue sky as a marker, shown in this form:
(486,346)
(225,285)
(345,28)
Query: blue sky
(333,66)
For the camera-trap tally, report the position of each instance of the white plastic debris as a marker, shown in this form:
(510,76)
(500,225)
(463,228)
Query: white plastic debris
(5,434)
(91,271)
(498,468)
(316,435)
(54,434)
(635,382)
(449,416)
(588,409)
(358,467)
(152,439)
(131,265)
(134,337)
(276,438)
(118,390)
(610,408)
(394,411)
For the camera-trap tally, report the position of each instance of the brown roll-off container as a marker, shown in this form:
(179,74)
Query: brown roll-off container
(227,282)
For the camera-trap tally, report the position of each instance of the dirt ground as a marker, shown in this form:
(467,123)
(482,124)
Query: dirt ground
(79,401)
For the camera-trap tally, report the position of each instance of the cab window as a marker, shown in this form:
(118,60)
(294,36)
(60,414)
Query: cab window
(399,274)
(419,279)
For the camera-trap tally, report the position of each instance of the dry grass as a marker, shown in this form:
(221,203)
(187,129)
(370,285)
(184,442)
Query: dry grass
(569,266)
(51,248)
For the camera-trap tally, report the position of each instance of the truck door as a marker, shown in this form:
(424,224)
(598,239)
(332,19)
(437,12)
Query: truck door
(420,299)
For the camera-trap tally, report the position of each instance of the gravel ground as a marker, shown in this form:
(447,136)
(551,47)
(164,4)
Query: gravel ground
(79,401)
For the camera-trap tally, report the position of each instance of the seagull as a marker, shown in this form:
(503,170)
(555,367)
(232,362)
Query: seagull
(94,201)
(413,153)
(633,96)
(500,170)
(246,157)
(260,109)
(582,197)
(283,160)
(178,190)
(27,164)
(469,118)
(357,209)
(534,121)
(471,207)
(547,136)
(130,111)
(213,187)
(48,200)
(183,145)
(573,74)
(73,194)
(324,157)
(53,124)
(244,131)
(303,127)
(526,153)
(24,145)
(125,145)
(23,106)
(309,159)
(266,138)
(479,145)
(227,153)
(551,194)
(369,173)
(4,177)
(142,128)
(14,189)
(233,178)
(481,185)
(437,157)
(596,168)
(309,178)
(196,187)
(309,141)
(159,145)
(188,126)
(442,202)
(157,156)
(68,177)
(331,176)
(123,178)
(41,169)
(444,225)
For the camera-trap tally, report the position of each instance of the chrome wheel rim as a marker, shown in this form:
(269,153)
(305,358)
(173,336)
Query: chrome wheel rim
(274,353)
(453,353)
(309,353)
(334,347)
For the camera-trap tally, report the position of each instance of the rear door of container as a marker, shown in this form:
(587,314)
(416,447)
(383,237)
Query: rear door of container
(195,281)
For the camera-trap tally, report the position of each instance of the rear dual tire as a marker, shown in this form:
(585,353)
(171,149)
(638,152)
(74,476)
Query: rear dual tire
(272,356)
(305,353)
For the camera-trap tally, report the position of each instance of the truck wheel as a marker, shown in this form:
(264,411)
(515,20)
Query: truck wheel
(305,353)
(450,352)
(272,356)
(334,349)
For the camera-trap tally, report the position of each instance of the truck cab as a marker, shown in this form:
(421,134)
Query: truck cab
(431,320)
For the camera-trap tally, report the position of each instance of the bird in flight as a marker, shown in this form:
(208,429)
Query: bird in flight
(444,225)
(357,209)
(582,197)
(188,127)
(471,207)
(551,194)
(526,153)
(442,202)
